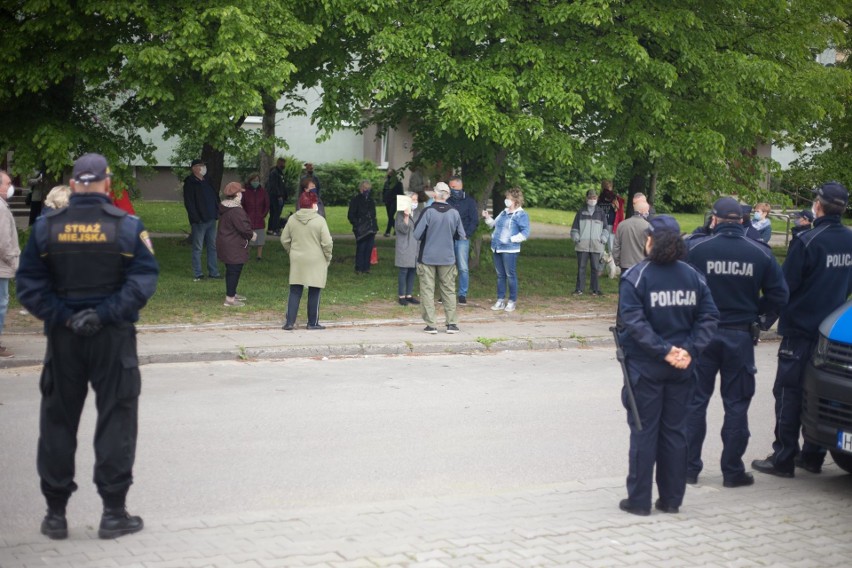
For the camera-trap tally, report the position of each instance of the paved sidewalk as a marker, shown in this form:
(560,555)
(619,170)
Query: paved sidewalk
(777,522)
(221,342)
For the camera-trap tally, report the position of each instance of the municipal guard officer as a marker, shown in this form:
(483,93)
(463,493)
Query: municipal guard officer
(86,271)
(668,318)
(818,270)
(737,270)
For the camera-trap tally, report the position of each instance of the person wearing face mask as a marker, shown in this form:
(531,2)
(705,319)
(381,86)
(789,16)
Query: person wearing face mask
(760,221)
(818,270)
(589,233)
(510,229)
(233,238)
(802,221)
(257,203)
(9,251)
(468,211)
(362,217)
(629,245)
(201,201)
(405,253)
(308,243)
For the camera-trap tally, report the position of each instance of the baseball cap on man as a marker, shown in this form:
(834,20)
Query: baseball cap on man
(727,208)
(90,168)
(833,192)
(804,214)
(442,188)
(195,162)
(663,224)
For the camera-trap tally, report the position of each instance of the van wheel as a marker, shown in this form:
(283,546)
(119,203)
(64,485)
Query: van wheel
(843,460)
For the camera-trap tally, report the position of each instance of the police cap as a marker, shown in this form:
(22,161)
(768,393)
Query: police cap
(833,192)
(727,208)
(662,224)
(90,168)
(803,214)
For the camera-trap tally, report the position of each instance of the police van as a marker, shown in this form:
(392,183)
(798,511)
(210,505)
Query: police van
(827,396)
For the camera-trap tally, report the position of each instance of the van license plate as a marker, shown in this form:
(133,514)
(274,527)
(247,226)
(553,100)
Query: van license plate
(844,441)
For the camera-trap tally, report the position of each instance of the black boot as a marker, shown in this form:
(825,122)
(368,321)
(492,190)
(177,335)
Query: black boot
(118,522)
(54,525)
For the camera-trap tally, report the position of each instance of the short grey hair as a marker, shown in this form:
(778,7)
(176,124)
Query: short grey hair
(365,183)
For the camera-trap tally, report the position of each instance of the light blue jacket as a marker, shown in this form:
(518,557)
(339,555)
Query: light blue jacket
(509,230)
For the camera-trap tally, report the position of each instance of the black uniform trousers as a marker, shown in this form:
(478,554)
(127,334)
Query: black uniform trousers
(793,354)
(108,361)
(295,299)
(661,400)
(731,354)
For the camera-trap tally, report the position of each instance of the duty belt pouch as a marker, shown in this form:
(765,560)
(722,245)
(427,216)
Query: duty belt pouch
(754,328)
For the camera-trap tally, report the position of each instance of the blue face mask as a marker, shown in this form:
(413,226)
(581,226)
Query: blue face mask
(457,193)
(756,217)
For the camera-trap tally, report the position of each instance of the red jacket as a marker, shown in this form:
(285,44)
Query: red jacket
(256,204)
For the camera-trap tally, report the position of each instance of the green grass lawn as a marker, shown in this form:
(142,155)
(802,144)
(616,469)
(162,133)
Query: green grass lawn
(547,271)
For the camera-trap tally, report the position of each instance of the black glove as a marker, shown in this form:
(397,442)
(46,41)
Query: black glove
(85,323)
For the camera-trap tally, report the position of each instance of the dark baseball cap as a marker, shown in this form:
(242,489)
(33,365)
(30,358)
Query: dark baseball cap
(663,224)
(728,208)
(195,162)
(833,192)
(804,214)
(90,168)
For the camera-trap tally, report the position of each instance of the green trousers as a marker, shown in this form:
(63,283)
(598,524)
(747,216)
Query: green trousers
(445,278)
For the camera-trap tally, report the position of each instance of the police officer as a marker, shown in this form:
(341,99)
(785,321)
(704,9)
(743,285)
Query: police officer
(737,270)
(668,318)
(818,270)
(86,271)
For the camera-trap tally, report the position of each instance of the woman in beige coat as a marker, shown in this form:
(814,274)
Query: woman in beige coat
(307,240)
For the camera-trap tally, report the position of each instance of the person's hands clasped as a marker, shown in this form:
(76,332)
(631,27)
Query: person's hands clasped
(85,323)
(678,358)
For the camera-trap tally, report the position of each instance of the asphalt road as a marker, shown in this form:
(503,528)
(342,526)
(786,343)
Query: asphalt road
(228,437)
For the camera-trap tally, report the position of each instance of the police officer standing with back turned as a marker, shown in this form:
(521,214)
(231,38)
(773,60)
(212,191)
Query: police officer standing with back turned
(818,270)
(668,318)
(737,270)
(86,271)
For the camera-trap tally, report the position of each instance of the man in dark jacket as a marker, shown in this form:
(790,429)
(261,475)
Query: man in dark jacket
(393,187)
(468,211)
(278,187)
(362,217)
(201,201)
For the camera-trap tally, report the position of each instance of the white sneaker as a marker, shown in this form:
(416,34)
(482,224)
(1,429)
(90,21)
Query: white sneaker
(510,307)
(500,305)
(233,304)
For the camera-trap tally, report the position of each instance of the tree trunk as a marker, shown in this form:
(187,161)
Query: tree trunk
(490,178)
(215,160)
(267,152)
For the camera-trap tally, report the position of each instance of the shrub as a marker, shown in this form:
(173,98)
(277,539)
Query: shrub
(339,180)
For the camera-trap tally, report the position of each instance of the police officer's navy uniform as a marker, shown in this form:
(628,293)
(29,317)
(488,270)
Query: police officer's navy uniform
(818,270)
(736,269)
(89,255)
(661,306)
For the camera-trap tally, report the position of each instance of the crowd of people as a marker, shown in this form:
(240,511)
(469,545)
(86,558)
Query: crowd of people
(689,309)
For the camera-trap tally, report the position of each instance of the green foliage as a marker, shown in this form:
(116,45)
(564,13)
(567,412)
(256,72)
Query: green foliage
(339,180)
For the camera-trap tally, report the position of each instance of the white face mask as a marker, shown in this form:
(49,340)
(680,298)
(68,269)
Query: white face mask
(413,206)
(10,192)
(507,202)
(591,202)
(813,210)
(203,171)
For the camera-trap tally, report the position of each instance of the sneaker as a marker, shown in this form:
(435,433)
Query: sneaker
(198,278)
(233,304)
(430,330)
(240,298)
(118,522)
(462,299)
(578,293)
(411,300)
(597,293)
(499,305)
(510,306)
(217,277)
(452,328)
(6,353)
(315,327)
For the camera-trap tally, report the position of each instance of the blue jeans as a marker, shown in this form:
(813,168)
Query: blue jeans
(462,248)
(405,281)
(204,233)
(4,301)
(506,265)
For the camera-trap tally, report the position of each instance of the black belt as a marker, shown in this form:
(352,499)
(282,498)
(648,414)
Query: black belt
(738,327)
